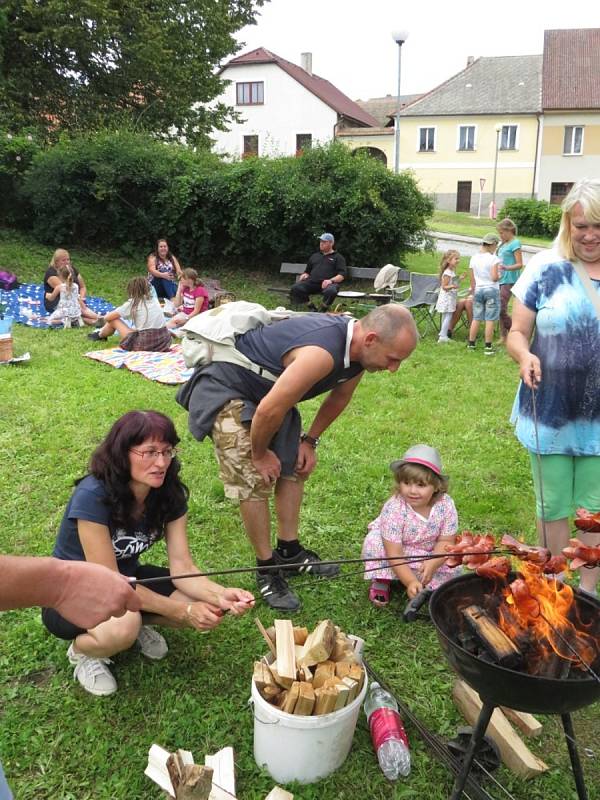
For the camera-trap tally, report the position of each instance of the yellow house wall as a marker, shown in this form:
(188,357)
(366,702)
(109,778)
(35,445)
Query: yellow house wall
(555,166)
(382,141)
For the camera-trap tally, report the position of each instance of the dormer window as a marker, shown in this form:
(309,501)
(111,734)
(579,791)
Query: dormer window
(250,94)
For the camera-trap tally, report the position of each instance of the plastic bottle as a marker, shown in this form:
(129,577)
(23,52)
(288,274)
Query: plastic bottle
(387,733)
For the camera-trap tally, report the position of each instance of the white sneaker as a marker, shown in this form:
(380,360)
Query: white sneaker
(151,643)
(444,339)
(92,673)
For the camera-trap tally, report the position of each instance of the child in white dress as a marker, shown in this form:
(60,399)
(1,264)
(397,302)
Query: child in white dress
(69,308)
(418,520)
(447,298)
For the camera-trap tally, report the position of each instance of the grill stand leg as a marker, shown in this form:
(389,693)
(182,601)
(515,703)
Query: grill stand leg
(476,740)
(574,755)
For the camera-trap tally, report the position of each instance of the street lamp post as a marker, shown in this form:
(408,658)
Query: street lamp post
(493,210)
(399,37)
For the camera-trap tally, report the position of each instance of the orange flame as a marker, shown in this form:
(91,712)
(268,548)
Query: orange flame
(542,609)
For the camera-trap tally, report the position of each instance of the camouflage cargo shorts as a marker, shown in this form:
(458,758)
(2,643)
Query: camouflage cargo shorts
(231,439)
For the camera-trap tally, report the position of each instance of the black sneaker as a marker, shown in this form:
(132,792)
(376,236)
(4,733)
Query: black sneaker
(276,593)
(311,307)
(306,561)
(94,336)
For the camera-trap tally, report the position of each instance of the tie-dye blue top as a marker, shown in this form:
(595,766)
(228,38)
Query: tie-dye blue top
(567,342)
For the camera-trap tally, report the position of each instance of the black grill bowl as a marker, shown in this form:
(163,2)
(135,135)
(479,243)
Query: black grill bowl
(497,685)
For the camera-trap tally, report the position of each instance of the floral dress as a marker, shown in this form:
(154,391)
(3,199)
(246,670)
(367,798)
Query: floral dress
(400,523)
(446,301)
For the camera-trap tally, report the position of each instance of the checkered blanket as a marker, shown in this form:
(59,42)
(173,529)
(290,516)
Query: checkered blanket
(26,305)
(161,367)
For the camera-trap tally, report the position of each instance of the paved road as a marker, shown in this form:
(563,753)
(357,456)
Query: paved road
(469,245)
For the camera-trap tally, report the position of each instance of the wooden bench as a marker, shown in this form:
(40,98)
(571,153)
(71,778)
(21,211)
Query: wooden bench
(354,273)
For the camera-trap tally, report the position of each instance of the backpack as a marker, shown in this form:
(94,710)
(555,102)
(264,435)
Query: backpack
(211,336)
(8,280)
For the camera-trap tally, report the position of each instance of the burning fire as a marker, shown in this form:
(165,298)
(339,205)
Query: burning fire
(538,613)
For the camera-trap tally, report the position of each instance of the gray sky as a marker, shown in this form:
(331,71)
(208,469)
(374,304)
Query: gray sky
(353,48)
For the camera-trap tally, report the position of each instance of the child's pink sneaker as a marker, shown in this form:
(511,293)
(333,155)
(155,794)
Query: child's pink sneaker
(379,592)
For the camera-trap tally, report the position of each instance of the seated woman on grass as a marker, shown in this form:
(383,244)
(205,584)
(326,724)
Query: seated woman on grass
(61,260)
(131,498)
(143,310)
(163,270)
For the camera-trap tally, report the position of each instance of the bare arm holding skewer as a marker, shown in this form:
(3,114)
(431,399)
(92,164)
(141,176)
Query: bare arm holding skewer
(517,344)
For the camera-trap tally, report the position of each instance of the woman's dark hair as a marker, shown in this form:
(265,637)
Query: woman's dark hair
(110,464)
(155,251)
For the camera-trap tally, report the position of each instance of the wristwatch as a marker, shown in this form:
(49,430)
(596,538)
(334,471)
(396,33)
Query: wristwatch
(311,440)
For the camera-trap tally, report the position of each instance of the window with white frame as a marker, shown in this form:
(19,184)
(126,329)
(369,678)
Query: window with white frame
(508,137)
(250,94)
(466,137)
(426,140)
(573,143)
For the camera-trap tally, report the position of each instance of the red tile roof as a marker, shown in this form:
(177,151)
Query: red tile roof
(571,71)
(324,90)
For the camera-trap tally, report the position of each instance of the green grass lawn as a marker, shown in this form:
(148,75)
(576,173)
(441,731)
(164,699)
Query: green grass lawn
(59,743)
(469,225)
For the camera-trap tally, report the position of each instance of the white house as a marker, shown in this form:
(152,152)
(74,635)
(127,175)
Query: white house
(284,108)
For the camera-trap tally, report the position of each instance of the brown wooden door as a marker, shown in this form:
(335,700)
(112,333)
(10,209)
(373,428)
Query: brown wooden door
(463,196)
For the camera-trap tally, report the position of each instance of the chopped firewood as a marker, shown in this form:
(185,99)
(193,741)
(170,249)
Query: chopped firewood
(306,699)
(157,769)
(345,669)
(342,669)
(343,693)
(325,700)
(502,649)
(270,640)
(277,793)
(319,644)
(513,750)
(264,680)
(526,723)
(223,765)
(196,783)
(280,679)
(343,650)
(353,687)
(284,642)
(281,698)
(304,674)
(324,671)
(300,635)
(357,674)
(289,704)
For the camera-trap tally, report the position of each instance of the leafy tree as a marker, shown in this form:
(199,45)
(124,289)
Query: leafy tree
(145,64)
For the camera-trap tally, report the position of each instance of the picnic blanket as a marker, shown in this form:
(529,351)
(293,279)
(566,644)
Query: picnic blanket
(161,367)
(26,305)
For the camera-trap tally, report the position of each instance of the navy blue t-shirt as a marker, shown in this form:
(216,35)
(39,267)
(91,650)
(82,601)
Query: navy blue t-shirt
(88,503)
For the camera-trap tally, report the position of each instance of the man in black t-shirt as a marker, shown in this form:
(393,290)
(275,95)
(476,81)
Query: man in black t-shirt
(324,273)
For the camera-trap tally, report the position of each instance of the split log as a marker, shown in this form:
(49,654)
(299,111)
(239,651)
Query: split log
(264,680)
(526,723)
(300,635)
(343,693)
(157,769)
(223,766)
(343,649)
(319,644)
(502,649)
(277,793)
(285,682)
(286,655)
(514,752)
(305,675)
(342,669)
(196,783)
(325,700)
(270,640)
(289,704)
(353,687)
(306,699)
(324,671)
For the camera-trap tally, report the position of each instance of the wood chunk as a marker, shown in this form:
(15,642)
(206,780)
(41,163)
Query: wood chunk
(286,655)
(342,649)
(357,674)
(324,671)
(264,680)
(277,793)
(300,635)
(279,679)
(502,649)
(514,752)
(280,700)
(270,640)
(343,693)
(325,700)
(223,765)
(196,783)
(353,687)
(289,704)
(157,768)
(319,644)
(342,669)
(304,674)
(271,633)
(526,723)
(306,699)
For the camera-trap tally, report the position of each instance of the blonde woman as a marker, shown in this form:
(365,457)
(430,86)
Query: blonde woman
(61,258)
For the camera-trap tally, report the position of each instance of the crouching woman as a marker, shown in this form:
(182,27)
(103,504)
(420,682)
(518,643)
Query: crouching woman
(131,498)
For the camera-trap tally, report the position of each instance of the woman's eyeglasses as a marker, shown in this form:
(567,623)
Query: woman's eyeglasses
(152,455)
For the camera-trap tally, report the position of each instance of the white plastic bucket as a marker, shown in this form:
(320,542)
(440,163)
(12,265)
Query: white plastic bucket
(301,748)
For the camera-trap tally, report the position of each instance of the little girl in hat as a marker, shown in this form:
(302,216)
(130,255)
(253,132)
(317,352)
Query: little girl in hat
(419,519)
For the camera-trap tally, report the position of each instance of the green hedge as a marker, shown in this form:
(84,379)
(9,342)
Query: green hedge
(533,217)
(16,154)
(124,190)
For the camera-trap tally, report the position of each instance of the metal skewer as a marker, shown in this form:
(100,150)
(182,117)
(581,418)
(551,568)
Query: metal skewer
(539,461)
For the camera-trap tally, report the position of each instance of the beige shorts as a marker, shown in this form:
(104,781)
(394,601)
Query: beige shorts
(231,439)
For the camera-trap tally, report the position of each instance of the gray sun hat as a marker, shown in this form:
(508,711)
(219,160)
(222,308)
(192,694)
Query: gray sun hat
(491,238)
(421,454)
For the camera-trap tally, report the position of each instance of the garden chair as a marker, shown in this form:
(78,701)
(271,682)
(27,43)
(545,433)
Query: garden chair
(424,290)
